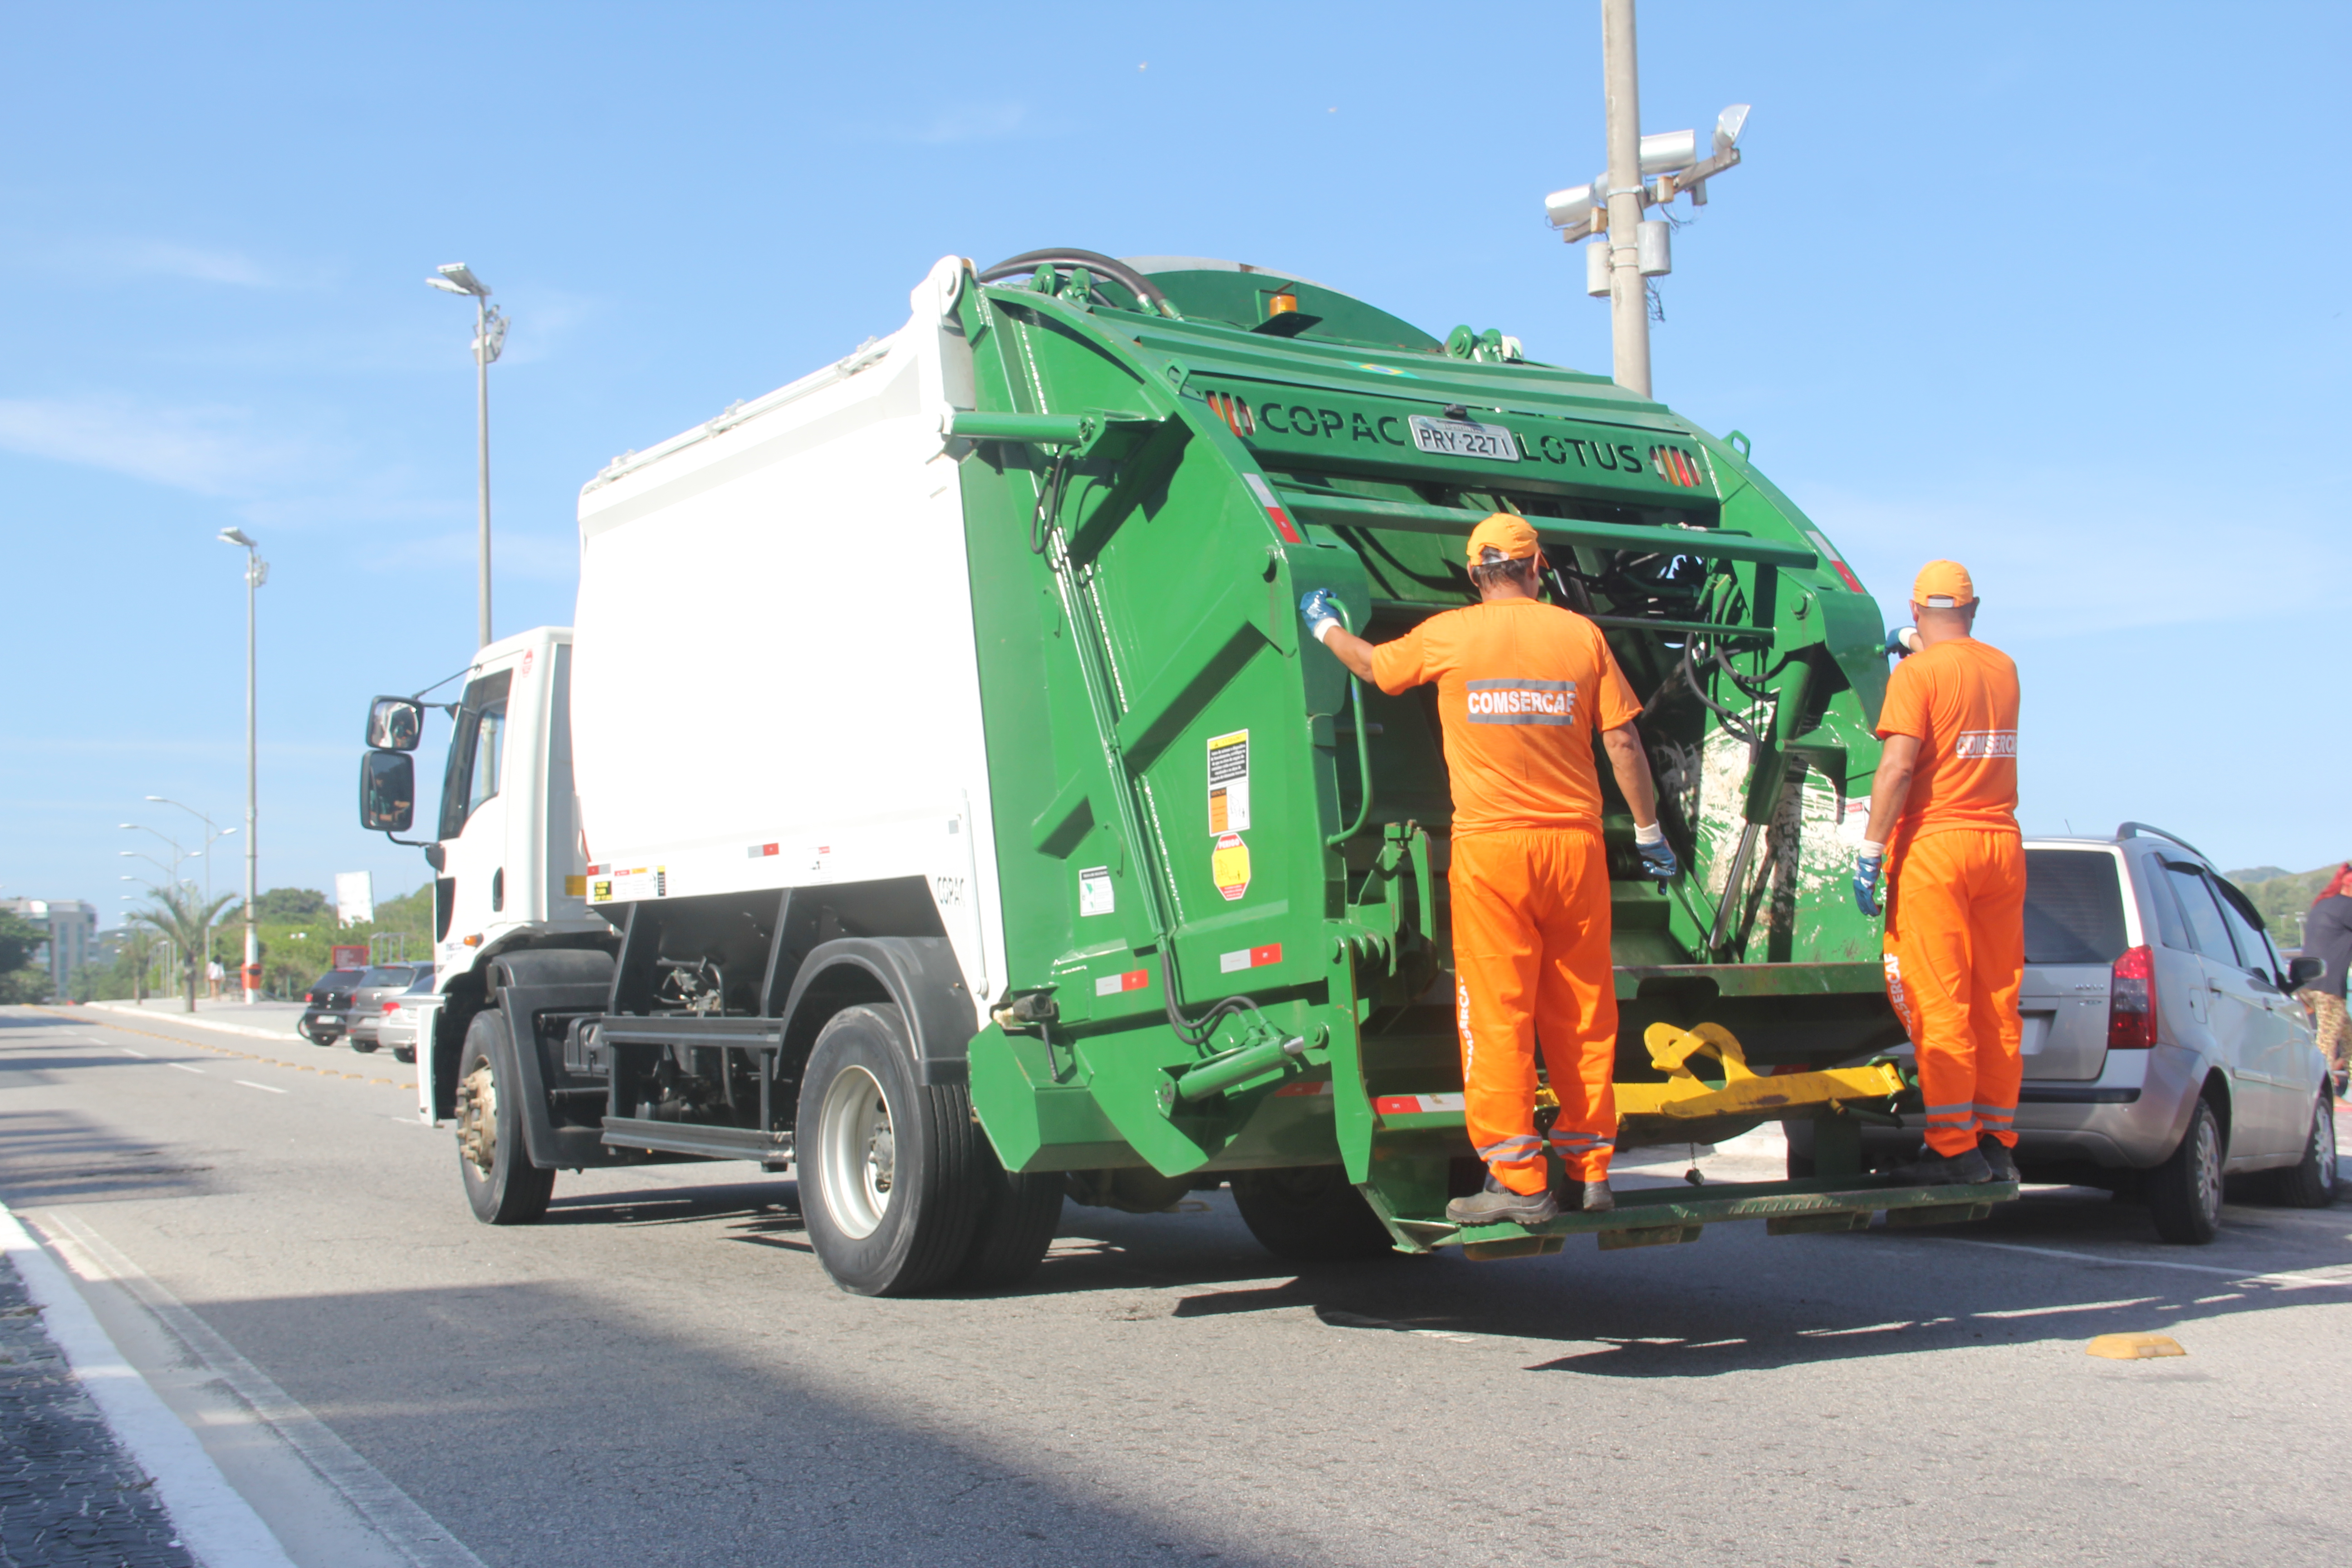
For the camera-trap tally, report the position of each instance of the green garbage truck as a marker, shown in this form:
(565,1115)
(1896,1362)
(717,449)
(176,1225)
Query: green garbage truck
(937,793)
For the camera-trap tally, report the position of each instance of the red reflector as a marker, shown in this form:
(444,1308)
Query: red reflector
(1282,526)
(1842,572)
(2131,1000)
(1396,1105)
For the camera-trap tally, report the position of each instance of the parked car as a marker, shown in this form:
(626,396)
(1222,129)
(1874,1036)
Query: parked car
(327,1007)
(396,1030)
(2164,1046)
(374,996)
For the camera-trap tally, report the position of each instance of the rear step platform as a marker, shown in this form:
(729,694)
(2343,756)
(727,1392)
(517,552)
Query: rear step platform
(1652,1217)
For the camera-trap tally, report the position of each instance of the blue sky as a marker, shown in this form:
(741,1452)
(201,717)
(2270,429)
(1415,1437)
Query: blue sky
(2059,290)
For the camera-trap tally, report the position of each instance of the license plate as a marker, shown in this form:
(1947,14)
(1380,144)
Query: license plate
(1464,439)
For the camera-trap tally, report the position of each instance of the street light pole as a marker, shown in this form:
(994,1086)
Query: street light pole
(490,338)
(1629,291)
(256,573)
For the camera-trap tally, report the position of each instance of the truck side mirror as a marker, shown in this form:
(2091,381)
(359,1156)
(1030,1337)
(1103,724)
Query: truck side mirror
(387,791)
(2302,971)
(395,723)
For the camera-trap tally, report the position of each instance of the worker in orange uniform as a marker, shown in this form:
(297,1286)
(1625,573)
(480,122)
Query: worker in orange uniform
(1945,804)
(1522,687)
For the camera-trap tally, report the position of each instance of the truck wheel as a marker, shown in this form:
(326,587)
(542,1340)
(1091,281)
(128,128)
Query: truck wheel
(2184,1194)
(892,1173)
(1018,1216)
(1310,1214)
(404,1053)
(2311,1182)
(501,1184)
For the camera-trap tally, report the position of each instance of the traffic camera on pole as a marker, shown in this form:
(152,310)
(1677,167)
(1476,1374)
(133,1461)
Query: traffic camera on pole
(1671,167)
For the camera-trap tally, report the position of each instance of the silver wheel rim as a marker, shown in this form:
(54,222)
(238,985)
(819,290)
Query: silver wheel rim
(857,1152)
(2208,1169)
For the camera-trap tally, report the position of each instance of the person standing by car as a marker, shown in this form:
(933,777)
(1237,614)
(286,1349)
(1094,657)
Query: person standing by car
(2327,936)
(1945,804)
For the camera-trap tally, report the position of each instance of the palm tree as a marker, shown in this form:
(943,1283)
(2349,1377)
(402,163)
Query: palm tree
(182,914)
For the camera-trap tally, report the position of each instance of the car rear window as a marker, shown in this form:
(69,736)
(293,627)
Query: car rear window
(339,980)
(388,977)
(2073,907)
(423,980)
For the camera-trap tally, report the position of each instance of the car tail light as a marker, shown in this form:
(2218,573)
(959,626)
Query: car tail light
(2131,1000)
(392,1006)
(310,998)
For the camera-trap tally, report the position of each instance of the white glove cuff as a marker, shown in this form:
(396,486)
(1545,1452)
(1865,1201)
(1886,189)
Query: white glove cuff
(1653,834)
(1873,851)
(1321,630)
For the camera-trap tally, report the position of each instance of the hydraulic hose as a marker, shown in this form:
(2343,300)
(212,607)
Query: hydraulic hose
(1118,271)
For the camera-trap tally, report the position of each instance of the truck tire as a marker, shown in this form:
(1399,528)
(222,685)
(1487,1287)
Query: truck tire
(1018,1217)
(2184,1194)
(892,1173)
(502,1185)
(2311,1182)
(1310,1214)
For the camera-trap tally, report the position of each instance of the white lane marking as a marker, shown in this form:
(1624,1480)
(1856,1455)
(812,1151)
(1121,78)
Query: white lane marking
(1358,1320)
(219,1526)
(186,1067)
(128,1051)
(2074,1307)
(264,1087)
(2304,1280)
(405,1527)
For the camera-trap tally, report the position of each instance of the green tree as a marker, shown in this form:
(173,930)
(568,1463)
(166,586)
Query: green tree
(182,914)
(280,905)
(19,980)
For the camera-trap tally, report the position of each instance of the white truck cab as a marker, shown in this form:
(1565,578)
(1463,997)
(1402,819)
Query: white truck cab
(508,860)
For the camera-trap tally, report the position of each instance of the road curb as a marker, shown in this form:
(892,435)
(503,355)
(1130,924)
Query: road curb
(197,1020)
(215,1523)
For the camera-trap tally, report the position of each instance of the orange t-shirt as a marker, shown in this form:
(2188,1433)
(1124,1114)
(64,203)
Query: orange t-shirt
(1959,699)
(1521,687)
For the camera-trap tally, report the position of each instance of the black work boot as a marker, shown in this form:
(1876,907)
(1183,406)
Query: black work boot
(1598,1198)
(1500,1205)
(1997,1155)
(1933,1170)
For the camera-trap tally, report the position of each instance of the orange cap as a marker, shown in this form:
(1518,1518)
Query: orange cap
(1943,585)
(1503,531)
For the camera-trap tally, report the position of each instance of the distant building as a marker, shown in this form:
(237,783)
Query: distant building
(71,927)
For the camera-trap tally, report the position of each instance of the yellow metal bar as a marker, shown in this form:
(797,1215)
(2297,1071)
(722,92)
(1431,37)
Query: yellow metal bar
(1686,1096)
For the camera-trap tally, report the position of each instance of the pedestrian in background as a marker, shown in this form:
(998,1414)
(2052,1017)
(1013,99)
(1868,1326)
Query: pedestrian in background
(213,975)
(2327,936)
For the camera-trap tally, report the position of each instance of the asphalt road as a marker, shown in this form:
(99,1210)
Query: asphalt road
(660,1374)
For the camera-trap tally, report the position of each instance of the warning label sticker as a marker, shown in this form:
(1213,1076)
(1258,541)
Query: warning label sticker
(1229,783)
(1129,980)
(1229,865)
(1095,896)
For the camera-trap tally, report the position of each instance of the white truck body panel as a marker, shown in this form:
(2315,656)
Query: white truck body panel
(830,507)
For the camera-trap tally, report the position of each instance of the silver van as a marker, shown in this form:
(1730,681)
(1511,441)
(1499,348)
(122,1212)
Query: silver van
(2164,1046)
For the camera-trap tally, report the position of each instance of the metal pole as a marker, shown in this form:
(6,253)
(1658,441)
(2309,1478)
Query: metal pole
(1628,295)
(482,453)
(250,974)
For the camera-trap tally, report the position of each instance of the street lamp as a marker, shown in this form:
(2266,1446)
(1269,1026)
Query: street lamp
(1644,172)
(256,573)
(489,340)
(212,836)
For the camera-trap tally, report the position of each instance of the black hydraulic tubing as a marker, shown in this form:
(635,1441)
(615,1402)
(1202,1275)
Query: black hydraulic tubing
(1118,271)
(1089,641)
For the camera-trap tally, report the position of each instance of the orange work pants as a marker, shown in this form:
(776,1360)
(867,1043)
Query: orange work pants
(1531,963)
(1955,957)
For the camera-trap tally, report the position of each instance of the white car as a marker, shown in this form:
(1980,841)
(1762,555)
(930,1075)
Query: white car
(396,1029)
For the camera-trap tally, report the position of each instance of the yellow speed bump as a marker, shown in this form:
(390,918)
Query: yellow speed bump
(1686,1095)
(2133,1347)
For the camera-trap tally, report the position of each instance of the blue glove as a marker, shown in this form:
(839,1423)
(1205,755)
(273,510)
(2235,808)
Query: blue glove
(1320,609)
(1658,860)
(1865,882)
(1895,643)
